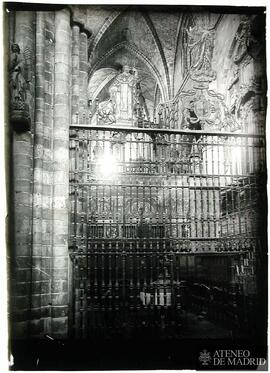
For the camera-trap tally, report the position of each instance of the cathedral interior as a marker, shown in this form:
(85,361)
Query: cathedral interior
(136,165)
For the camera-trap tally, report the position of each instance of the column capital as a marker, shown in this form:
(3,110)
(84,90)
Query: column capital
(83,30)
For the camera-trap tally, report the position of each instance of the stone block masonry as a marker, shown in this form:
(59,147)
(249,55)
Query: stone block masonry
(62,74)
(20,208)
(39,270)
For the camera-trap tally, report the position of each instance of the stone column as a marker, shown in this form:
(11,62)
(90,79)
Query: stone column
(60,263)
(47,173)
(21,205)
(75,73)
(38,178)
(83,77)
(43,174)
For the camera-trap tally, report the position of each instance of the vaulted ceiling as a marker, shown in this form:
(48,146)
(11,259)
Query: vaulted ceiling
(149,38)
(144,38)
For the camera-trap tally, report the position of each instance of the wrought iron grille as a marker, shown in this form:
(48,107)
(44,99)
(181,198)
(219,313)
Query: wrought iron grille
(147,205)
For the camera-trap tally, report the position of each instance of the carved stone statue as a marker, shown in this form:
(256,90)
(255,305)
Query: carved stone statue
(123,92)
(200,43)
(119,107)
(17,80)
(240,43)
(19,69)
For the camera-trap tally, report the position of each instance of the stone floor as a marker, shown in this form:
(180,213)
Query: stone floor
(196,326)
(141,353)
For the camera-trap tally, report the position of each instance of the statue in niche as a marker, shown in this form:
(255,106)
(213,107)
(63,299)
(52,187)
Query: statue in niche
(17,78)
(200,44)
(106,112)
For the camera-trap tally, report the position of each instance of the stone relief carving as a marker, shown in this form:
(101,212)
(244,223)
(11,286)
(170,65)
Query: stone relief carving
(234,77)
(106,112)
(200,45)
(204,109)
(241,40)
(250,106)
(247,40)
(245,90)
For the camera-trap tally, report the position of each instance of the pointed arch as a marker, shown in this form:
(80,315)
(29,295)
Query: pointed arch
(154,34)
(133,49)
(103,29)
(109,77)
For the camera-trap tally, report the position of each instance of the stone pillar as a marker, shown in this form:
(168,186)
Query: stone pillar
(42,285)
(21,175)
(60,263)
(38,177)
(83,77)
(75,73)
(47,173)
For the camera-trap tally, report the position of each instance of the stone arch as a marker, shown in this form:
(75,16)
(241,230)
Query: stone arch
(133,48)
(153,31)
(102,84)
(103,29)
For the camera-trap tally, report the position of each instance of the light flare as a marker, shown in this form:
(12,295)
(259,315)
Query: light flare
(107,165)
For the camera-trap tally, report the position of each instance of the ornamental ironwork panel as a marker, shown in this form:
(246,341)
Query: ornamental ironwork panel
(151,208)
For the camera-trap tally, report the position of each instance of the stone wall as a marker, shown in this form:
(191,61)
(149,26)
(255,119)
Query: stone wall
(38,245)
(20,209)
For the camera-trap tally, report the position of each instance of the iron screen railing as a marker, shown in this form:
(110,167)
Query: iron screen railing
(142,200)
